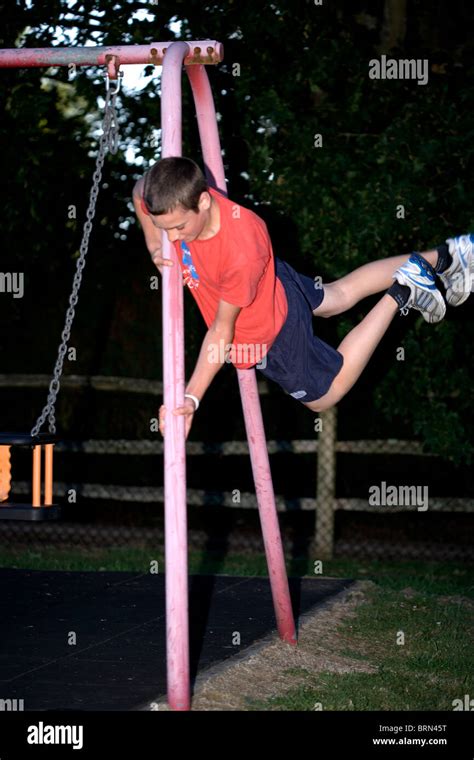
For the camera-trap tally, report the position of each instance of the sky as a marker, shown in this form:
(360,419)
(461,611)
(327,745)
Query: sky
(134,78)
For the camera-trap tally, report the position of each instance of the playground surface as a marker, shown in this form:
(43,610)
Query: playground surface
(97,640)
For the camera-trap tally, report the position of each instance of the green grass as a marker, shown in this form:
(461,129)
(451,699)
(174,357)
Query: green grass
(428,672)
(127,560)
(428,577)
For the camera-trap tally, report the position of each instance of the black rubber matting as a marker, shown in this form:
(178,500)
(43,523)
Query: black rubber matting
(117,620)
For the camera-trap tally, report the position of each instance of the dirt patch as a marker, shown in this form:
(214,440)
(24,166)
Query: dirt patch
(464,601)
(271,667)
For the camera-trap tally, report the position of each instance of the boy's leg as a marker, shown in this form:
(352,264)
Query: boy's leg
(357,348)
(416,278)
(343,294)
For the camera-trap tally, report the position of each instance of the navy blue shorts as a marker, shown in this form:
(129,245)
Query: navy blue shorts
(301,363)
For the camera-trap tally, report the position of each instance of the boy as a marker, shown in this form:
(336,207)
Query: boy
(259,310)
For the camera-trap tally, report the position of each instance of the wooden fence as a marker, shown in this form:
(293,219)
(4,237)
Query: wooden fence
(326,447)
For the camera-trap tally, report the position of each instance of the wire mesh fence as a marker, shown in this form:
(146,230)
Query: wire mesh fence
(380,499)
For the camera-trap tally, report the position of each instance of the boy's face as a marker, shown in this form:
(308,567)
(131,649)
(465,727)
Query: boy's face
(182,224)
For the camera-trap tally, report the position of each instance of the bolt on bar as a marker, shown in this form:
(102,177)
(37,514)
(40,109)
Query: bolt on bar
(199,52)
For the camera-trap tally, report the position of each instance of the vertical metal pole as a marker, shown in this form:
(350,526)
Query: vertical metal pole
(176,560)
(209,135)
(36,501)
(266,505)
(48,474)
(326,493)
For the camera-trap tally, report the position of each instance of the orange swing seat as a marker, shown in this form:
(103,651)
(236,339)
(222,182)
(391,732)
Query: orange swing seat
(41,505)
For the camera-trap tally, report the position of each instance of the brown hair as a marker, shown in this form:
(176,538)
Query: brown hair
(171,182)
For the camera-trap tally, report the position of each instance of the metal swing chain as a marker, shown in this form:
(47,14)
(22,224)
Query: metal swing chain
(108,143)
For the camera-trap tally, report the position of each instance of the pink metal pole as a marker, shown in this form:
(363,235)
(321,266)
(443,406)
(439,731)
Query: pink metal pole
(209,134)
(266,504)
(197,52)
(176,560)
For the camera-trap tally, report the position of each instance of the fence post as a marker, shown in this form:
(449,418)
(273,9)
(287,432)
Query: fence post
(326,485)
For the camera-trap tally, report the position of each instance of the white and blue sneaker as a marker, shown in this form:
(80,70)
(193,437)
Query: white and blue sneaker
(458,279)
(420,277)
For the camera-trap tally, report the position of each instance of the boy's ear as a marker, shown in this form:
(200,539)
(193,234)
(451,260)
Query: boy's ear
(204,201)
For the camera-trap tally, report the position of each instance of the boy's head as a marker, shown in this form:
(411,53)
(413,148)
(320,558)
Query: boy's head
(177,197)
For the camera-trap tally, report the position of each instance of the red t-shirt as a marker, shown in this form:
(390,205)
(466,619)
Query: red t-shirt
(237,266)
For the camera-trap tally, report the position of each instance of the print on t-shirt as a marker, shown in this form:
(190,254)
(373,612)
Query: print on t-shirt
(191,277)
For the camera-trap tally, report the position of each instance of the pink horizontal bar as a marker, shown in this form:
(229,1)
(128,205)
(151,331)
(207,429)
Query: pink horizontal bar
(200,52)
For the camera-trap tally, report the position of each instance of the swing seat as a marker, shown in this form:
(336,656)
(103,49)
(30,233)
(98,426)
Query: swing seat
(36,510)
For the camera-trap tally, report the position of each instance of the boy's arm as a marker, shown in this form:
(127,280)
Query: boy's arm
(152,234)
(213,351)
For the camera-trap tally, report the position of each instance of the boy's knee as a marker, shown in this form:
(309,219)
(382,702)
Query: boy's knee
(345,294)
(337,299)
(321,404)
